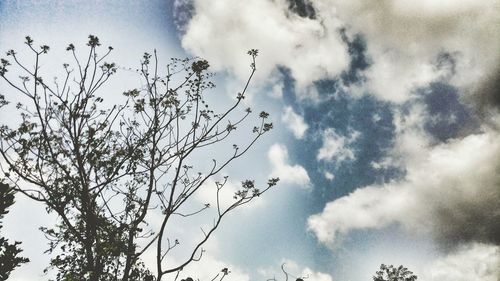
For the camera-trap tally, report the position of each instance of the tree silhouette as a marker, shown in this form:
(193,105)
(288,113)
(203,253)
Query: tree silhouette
(9,258)
(106,170)
(392,273)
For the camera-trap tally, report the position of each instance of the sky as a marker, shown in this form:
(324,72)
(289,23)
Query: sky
(386,116)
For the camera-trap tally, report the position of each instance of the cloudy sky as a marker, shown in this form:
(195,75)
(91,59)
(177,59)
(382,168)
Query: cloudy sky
(387,117)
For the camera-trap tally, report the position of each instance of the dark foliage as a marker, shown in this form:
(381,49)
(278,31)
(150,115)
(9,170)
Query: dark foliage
(104,170)
(392,273)
(9,258)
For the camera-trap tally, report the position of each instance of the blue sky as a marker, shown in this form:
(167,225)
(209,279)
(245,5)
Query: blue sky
(387,123)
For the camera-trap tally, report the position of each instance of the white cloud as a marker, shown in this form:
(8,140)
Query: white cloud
(209,266)
(311,49)
(329,176)
(404,78)
(207,194)
(277,90)
(450,190)
(294,122)
(335,147)
(295,270)
(315,275)
(404,39)
(474,262)
(288,174)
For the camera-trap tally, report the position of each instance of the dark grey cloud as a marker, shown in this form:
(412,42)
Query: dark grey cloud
(450,190)
(447,62)
(487,95)
(475,219)
(303,8)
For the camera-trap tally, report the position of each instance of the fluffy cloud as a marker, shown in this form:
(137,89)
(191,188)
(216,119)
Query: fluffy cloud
(288,174)
(294,269)
(317,276)
(209,267)
(335,147)
(407,41)
(329,176)
(207,194)
(474,262)
(450,190)
(294,122)
(222,31)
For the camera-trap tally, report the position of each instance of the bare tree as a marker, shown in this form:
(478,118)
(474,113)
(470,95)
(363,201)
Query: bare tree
(104,170)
